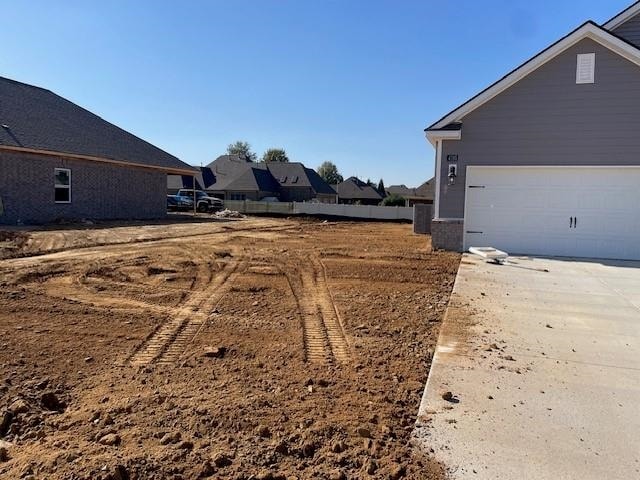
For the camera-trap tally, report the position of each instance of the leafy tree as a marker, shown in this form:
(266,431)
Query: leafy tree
(243,149)
(370,183)
(329,173)
(381,189)
(275,155)
(394,200)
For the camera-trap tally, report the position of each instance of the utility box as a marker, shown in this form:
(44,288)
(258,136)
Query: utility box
(422,214)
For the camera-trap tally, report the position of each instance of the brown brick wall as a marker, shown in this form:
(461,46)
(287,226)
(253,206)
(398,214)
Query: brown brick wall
(98,190)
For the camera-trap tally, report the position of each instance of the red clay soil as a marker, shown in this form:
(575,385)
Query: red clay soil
(270,349)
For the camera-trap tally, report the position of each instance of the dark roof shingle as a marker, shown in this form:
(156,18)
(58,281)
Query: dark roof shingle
(356,189)
(36,118)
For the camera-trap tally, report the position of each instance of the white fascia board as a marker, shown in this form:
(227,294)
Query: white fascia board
(588,30)
(434,136)
(623,16)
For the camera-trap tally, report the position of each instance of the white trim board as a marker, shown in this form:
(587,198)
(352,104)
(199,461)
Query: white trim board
(436,200)
(589,30)
(433,137)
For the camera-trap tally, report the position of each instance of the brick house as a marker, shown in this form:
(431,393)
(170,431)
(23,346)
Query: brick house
(60,161)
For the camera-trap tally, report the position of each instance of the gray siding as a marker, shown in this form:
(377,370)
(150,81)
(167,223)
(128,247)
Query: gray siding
(546,119)
(630,30)
(99,190)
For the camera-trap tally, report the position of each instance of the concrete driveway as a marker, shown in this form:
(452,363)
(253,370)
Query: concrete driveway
(542,357)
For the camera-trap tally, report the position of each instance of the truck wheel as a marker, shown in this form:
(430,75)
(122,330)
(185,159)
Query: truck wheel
(203,207)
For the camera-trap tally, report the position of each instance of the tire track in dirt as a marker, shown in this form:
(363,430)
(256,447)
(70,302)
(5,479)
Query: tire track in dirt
(170,340)
(90,286)
(323,336)
(45,245)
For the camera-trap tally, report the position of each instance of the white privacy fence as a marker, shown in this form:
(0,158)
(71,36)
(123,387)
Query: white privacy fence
(354,211)
(329,209)
(249,207)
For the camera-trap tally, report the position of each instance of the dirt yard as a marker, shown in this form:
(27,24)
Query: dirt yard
(260,348)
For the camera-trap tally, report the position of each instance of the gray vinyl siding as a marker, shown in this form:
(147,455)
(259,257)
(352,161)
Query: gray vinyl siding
(630,30)
(98,190)
(547,119)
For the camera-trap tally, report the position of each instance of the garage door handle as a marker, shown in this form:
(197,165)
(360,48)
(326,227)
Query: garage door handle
(575,222)
(570,222)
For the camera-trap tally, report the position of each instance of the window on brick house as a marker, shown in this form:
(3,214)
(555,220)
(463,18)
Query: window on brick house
(62,185)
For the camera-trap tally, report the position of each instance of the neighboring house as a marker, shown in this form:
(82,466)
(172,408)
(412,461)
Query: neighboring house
(419,195)
(232,177)
(214,177)
(298,183)
(354,191)
(546,161)
(179,182)
(255,183)
(60,161)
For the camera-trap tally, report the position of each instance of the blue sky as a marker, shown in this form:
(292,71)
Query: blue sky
(354,82)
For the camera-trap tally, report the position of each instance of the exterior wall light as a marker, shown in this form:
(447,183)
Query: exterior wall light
(453,173)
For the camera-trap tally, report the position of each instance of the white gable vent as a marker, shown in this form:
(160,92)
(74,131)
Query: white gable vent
(586,67)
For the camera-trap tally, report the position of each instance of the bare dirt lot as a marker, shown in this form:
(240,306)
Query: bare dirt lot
(258,348)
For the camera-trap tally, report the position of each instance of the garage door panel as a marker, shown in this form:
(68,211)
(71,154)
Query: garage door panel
(528,210)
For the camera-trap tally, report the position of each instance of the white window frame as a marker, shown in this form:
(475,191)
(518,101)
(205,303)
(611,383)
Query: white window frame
(592,63)
(56,186)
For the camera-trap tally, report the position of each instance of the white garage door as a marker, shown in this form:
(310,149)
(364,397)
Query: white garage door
(556,211)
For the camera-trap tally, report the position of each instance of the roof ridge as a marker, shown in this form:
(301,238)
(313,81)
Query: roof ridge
(18,82)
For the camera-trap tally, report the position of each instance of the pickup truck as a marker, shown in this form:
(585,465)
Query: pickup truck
(177,204)
(204,203)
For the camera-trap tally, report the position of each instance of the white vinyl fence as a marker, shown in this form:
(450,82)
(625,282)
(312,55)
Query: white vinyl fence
(249,207)
(354,211)
(329,209)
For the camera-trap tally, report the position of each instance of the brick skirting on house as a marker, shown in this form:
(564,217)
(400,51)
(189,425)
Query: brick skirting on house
(447,234)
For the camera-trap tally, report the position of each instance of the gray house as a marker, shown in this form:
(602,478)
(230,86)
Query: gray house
(354,191)
(546,161)
(233,177)
(60,161)
(422,195)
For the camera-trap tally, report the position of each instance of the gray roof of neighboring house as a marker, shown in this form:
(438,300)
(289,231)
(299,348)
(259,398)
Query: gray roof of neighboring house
(426,190)
(233,172)
(255,178)
(295,174)
(224,170)
(356,189)
(401,190)
(38,119)
(177,182)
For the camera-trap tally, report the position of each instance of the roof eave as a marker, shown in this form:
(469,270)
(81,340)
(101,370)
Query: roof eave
(91,158)
(435,135)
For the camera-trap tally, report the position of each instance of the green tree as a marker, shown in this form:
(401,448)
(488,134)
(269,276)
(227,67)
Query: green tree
(242,149)
(381,189)
(394,200)
(329,173)
(275,155)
